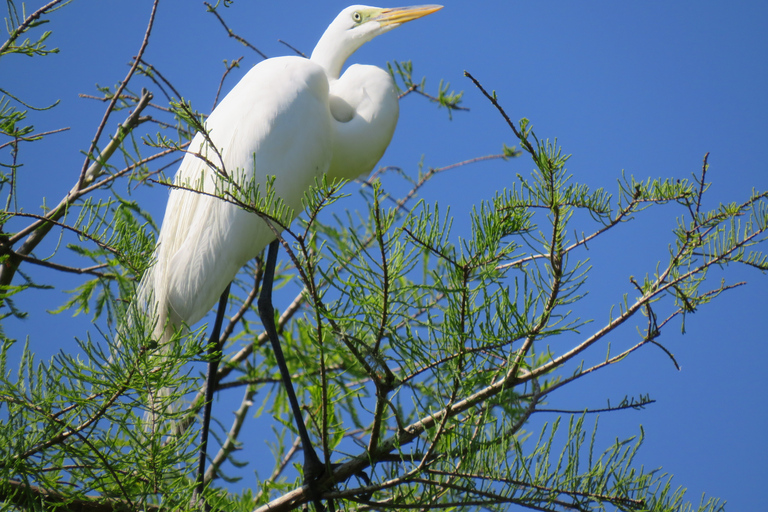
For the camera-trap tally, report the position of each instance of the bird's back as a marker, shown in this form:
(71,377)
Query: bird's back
(274,122)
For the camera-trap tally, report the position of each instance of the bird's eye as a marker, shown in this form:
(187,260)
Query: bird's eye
(357,17)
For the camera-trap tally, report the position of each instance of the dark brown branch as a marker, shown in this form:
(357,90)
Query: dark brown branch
(493,100)
(64,268)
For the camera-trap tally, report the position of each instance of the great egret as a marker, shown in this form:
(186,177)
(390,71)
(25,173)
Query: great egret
(289,117)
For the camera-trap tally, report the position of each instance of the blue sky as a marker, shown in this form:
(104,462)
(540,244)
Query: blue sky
(644,87)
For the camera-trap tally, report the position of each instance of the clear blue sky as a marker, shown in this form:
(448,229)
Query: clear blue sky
(645,87)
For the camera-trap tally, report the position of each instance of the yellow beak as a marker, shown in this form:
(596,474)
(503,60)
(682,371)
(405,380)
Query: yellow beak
(399,15)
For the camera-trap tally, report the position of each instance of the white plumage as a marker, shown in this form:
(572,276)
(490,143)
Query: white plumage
(289,117)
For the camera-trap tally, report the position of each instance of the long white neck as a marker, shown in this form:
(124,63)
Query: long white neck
(331,53)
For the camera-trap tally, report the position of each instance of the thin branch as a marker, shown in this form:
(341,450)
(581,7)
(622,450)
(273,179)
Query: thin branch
(231,33)
(86,167)
(27,23)
(633,406)
(431,173)
(492,99)
(553,490)
(64,268)
(230,66)
(620,217)
(230,444)
(32,137)
(702,181)
(127,97)
(40,228)
(165,81)
(280,468)
(659,288)
(298,52)
(416,88)
(76,231)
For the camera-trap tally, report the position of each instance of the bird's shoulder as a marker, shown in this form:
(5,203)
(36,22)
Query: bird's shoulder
(279,78)
(274,91)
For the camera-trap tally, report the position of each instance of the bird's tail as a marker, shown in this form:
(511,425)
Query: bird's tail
(153,336)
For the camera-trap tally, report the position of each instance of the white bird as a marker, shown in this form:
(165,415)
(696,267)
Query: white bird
(289,117)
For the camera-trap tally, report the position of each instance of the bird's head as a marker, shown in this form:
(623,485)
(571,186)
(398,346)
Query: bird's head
(355,26)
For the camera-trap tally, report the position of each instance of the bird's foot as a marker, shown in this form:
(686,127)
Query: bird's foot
(314,471)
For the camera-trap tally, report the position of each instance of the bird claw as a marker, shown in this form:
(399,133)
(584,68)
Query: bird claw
(315,471)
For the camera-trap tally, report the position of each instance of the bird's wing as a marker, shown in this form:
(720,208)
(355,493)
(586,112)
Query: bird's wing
(365,107)
(274,122)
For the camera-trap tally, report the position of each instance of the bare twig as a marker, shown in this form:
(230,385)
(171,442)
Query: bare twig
(155,71)
(230,66)
(230,444)
(297,51)
(118,92)
(702,186)
(493,100)
(231,33)
(64,268)
(32,137)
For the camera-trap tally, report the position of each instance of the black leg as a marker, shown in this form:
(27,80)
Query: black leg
(210,386)
(313,468)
